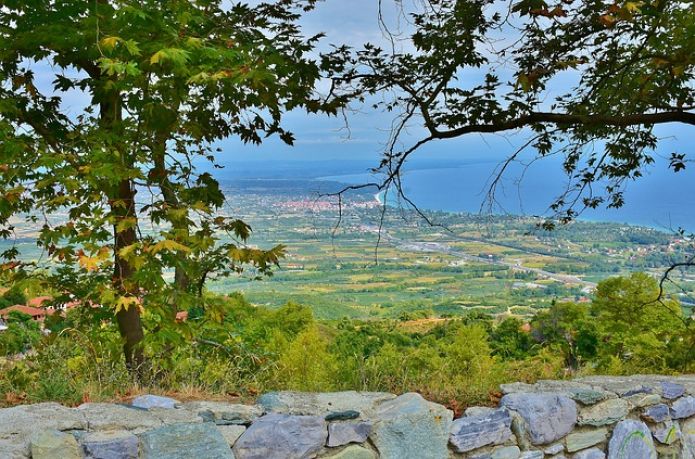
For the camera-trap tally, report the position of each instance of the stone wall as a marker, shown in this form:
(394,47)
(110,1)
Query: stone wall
(590,418)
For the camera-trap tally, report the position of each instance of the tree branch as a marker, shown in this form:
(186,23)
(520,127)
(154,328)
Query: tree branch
(569,119)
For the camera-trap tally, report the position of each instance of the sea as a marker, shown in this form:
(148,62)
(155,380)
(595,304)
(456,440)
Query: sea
(660,199)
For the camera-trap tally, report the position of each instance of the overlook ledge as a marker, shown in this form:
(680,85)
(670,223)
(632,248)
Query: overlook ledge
(636,417)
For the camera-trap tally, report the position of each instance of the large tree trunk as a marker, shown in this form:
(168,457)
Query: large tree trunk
(122,202)
(129,323)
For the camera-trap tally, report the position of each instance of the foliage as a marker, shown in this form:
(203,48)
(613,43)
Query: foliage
(22,334)
(160,85)
(637,328)
(12,297)
(571,329)
(458,362)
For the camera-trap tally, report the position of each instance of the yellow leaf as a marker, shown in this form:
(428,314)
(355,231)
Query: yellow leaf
(194,42)
(634,7)
(201,206)
(126,302)
(127,251)
(168,244)
(89,263)
(125,223)
(158,57)
(109,43)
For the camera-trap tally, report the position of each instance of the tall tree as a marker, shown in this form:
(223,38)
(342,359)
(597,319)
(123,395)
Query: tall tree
(141,91)
(491,66)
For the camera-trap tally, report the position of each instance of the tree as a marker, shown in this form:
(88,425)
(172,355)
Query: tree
(490,66)
(510,341)
(570,327)
(141,92)
(638,326)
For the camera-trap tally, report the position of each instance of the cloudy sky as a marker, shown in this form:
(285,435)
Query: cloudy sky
(355,22)
(318,138)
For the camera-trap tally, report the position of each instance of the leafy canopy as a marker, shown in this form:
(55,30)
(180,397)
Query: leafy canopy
(105,160)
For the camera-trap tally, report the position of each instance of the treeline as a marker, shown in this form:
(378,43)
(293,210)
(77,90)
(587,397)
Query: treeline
(233,347)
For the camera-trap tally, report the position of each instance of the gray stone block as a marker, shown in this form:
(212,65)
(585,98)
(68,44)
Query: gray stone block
(53,444)
(282,436)
(604,413)
(110,445)
(488,428)
(584,439)
(631,440)
(185,441)
(410,427)
(548,417)
(683,408)
(154,401)
(343,433)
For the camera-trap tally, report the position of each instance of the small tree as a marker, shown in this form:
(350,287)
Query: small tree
(141,91)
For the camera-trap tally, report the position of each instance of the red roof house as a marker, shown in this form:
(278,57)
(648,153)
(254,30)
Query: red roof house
(35,313)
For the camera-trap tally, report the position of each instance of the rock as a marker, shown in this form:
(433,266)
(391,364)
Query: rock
(631,440)
(557,448)
(589,396)
(604,413)
(670,390)
(18,424)
(506,452)
(321,404)
(636,390)
(585,394)
(154,401)
(683,408)
(548,417)
(624,386)
(532,455)
(591,453)
(642,400)
(353,452)
(107,416)
(342,415)
(667,433)
(174,416)
(185,441)
(231,433)
(688,433)
(411,427)
(657,413)
(520,431)
(14,448)
(478,410)
(110,445)
(672,452)
(225,413)
(53,444)
(282,436)
(342,433)
(472,432)
(581,440)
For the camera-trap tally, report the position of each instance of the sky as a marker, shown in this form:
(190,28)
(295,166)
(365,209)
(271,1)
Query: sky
(319,138)
(323,139)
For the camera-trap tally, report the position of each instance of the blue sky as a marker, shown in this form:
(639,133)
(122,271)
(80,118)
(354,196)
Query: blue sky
(319,138)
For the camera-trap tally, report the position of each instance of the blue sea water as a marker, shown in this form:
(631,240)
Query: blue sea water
(660,199)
